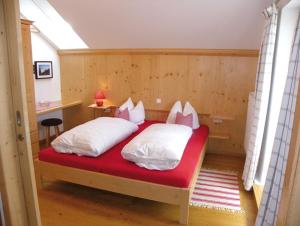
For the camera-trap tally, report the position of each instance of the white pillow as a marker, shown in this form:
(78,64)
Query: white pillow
(128,104)
(94,137)
(160,146)
(137,114)
(177,107)
(188,109)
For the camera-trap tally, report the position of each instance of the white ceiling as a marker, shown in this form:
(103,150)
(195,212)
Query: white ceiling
(230,24)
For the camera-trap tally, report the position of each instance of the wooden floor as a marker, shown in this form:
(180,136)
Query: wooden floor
(65,204)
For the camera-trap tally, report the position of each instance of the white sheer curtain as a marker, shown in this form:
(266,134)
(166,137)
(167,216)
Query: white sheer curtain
(256,122)
(273,187)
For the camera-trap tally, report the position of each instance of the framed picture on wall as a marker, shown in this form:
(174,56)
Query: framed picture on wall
(43,69)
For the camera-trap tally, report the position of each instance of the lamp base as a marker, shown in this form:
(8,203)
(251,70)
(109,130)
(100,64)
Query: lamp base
(99,103)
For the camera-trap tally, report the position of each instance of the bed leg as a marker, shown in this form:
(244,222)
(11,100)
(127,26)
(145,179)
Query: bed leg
(184,210)
(184,214)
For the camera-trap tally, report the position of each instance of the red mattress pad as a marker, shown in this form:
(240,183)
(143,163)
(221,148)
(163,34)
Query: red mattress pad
(111,162)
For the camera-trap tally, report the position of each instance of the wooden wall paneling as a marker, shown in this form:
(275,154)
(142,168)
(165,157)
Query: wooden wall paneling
(215,85)
(73,78)
(72,88)
(202,76)
(100,80)
(29,85)
(90,82)
(144,76)
(119,77)
(95,79)
(172,79)
(231,99)
(156,115)
(28,69)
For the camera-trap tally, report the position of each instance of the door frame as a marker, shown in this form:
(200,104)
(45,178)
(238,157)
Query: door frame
(17,185)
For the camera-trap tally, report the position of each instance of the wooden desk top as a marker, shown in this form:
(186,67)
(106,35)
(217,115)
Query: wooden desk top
(55,106)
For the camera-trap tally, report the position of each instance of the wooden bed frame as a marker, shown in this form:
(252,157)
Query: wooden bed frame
(147,190)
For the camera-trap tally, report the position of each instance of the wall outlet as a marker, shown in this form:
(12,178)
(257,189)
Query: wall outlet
(158,100)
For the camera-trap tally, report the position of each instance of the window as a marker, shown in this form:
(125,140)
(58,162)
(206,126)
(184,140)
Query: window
(51,24)
(285,35)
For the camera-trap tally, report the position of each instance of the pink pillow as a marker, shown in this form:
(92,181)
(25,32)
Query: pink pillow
(184,120)
(122,114)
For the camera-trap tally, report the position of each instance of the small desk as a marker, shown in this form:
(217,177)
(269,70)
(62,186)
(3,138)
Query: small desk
(55,106)
(104,108)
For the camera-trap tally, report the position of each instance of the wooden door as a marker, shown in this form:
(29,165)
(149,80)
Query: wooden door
(17,181)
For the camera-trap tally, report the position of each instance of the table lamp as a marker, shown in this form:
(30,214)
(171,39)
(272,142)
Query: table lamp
(99,97)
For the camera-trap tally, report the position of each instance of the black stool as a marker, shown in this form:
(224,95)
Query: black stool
(47,123)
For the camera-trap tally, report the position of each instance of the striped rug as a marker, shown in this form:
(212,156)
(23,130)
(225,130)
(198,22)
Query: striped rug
(217,189)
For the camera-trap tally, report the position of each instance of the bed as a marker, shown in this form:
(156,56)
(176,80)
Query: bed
(111,172)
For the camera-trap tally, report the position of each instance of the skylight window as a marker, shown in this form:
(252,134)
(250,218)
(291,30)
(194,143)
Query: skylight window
(51,24)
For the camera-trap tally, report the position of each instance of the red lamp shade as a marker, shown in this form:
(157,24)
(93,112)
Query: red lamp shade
(99,98)
(99,95)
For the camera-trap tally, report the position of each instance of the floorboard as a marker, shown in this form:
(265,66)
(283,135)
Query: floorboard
(65,204)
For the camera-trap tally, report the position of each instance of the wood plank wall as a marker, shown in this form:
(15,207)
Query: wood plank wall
(216,82)
(29,84)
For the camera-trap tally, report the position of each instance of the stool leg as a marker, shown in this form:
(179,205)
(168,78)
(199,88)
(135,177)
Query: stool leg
(47,136)
(56,131)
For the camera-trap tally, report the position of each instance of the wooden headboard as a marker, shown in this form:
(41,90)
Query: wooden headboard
(216,82)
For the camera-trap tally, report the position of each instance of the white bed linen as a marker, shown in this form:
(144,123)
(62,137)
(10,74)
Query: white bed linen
(94,137)
(137,114)
(159,147)
(177,107)
(188,109)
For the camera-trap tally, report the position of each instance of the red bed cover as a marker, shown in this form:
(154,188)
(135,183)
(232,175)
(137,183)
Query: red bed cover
(112,163)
